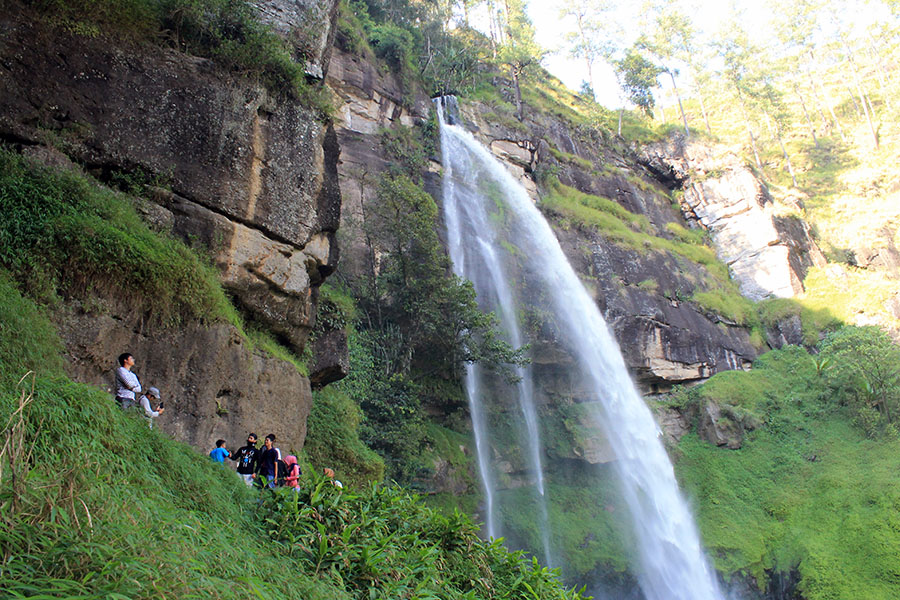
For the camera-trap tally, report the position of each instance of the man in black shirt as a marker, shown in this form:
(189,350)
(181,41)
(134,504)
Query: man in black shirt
(247,458)
(267,465)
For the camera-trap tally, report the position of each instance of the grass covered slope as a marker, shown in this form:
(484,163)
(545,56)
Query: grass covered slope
(95,504)
(808,492)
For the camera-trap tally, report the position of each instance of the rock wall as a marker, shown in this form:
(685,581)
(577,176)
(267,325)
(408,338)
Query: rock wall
(768,250)
(368,101)
(213,384)
(245,174)
(250,176)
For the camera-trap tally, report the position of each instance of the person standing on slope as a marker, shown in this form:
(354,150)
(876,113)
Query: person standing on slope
(220,452)
(127,383)
(268,461)
(148,410)
(247,458)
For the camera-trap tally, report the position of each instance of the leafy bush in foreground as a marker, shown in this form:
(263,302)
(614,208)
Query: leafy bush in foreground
(384,542)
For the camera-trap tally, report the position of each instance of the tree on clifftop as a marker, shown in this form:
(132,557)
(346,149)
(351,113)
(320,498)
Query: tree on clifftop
(638,77)
(519,50)
(590,40)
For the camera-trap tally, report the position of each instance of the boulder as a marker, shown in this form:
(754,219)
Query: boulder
(718,428)
(332,358)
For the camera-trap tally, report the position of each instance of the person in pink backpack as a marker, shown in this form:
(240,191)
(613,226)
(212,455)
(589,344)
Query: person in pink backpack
(292,477)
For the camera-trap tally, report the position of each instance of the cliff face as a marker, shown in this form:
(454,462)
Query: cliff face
(646,292)
(245,175)
(768,250)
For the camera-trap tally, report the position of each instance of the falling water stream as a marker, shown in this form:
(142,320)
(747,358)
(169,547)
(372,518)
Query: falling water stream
(500,241)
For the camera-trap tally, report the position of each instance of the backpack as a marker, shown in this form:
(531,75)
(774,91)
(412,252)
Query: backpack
(282,472)
(289,471)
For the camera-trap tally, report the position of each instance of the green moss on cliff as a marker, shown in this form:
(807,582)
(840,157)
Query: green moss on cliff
(594,211)
(806,492)
(814,322)
(718,294)
(60,232)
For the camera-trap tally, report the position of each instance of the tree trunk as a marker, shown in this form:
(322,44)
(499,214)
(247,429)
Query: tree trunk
(492,29)
(588,60)
(815,94)
(687,133)
(882,76)
(621,110)
(590,71)
(865,102)
(812,128)
(828,101)
(787,159)
(853,98)
(515,77)
(703,110)
(749,129)
(862,95)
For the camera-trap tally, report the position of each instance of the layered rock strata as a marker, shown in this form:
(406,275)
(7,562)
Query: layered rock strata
(245,174)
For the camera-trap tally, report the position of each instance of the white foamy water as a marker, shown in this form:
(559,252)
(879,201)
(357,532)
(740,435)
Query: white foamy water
(488,215)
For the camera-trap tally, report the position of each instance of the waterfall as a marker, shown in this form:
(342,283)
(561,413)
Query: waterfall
(482,265)
(492,223)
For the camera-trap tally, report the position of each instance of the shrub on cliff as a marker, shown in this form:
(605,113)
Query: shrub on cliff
(862,368)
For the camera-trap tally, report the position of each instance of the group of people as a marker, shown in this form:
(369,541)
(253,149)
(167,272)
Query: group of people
(130,394)
(260,466)
(264,466)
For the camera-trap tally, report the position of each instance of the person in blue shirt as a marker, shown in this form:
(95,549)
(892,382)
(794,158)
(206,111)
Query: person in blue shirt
(220,453)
